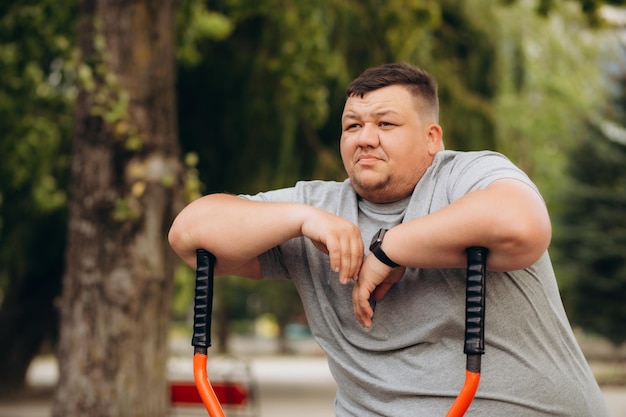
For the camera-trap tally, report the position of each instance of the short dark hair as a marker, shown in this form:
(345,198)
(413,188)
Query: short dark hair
(420,83)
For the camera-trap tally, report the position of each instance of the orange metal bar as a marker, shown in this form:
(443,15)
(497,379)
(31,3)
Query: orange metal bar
(466,396)
(211,403)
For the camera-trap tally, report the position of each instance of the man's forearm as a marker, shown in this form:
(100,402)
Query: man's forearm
(508,218)
(233,229)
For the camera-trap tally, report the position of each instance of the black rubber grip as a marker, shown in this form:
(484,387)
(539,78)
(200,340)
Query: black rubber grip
(475,301)
(203,301)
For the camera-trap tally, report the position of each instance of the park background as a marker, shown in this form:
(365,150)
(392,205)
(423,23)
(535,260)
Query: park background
(114,114)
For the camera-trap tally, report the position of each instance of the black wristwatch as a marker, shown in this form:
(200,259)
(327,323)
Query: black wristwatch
(378,252)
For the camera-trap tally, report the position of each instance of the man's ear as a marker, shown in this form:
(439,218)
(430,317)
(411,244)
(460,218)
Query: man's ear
(435,138)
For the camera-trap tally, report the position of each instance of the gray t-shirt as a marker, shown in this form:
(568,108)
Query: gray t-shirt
(411,361)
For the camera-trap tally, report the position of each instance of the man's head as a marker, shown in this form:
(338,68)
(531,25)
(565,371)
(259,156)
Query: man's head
(420,84)
(390,131)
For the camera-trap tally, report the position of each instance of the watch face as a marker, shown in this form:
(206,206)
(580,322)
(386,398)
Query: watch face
(377,238)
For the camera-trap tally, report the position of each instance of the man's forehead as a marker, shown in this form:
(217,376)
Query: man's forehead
(356,112)
(376,108)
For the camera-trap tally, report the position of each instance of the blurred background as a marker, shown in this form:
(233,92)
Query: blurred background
(113,115)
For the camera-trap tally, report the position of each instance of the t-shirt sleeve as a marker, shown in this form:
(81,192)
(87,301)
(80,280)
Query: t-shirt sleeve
(284,195)
(477,170)
(272,261)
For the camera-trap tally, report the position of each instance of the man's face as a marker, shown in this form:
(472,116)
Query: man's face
(386,145)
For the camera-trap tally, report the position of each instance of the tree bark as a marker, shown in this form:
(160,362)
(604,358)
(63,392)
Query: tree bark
(117,286)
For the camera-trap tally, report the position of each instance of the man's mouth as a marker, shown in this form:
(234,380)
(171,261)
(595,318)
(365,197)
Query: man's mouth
(367,159)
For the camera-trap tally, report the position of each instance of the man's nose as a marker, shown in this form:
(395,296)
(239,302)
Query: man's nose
(368,137)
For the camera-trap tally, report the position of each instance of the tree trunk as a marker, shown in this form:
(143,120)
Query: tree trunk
(117,285)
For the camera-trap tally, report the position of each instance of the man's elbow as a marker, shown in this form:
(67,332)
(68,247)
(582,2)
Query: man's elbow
(523,244)
(174,237)
(535,242)
(178,239)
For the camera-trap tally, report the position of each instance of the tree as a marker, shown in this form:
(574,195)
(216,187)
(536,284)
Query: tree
(465,49)
(124,194)
(592,238)
(37,94)
(281,74)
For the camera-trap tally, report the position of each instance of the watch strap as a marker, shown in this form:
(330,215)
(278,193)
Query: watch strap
(380,254)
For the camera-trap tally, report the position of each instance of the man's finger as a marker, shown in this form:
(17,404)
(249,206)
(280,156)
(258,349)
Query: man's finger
(356,257)
(351,257)
(361,305)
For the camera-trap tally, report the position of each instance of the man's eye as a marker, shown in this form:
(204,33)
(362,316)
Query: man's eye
(385,124)
(353,126)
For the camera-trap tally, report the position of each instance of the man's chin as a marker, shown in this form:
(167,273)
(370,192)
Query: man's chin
(373,193)
(379,192)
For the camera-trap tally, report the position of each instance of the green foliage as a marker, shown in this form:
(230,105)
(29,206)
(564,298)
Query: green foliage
(590,8)
(592,239)
(277,79)
(545,86)
(36,100)
(195,23)
(107,99)
(184,287)
(463,51)
(193,186)
(36,97)
(593,236)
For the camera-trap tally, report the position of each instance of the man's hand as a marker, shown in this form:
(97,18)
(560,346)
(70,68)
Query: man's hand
(339,238)
(375,279)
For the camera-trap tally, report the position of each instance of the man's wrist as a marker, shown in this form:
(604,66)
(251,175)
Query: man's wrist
(377,250)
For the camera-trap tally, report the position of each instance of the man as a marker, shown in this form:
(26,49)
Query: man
(391,320)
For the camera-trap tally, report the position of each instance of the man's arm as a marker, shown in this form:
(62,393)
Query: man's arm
(508,217)
(236,231)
